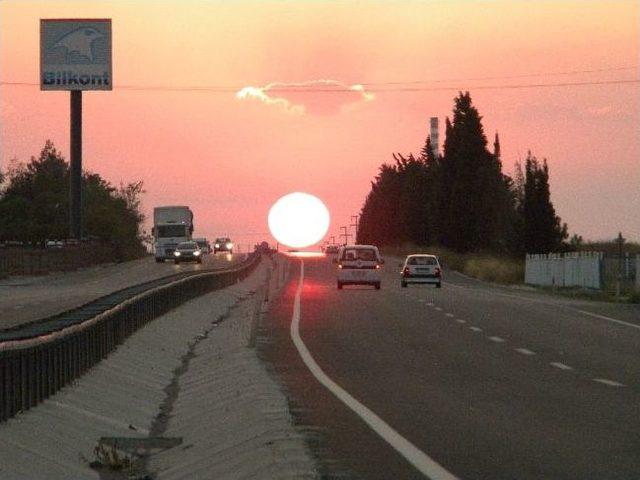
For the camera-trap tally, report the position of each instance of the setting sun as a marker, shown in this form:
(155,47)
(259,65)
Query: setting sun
(298,220)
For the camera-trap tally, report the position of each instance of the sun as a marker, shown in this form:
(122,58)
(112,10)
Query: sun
(298,220)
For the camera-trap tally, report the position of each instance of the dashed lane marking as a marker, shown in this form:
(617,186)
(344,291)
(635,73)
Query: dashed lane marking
(497,339)
(475,329)
(459,320)
(608,382)
(525,351)
(416,457)
(561,366)
(449,314)
(439,309)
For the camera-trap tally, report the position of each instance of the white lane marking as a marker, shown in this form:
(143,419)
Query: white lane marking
(430,304)
(611,383)
(603,317)
(420,460)
(549,304)
(561,366)
(475,329)
(459,320)
(439,309)
(421,300)
(497,339)
(449,314)
(524,351)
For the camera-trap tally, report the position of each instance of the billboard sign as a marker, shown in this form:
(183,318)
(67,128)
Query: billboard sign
(75,54)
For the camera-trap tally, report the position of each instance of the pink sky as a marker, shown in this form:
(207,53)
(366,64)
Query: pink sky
(231,158)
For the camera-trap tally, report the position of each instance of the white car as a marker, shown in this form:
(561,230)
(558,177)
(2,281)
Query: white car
(187,252)
(421,268)
(359,265)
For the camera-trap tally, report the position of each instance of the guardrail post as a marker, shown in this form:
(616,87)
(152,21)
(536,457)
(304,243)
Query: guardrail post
(3,387)
(31,380)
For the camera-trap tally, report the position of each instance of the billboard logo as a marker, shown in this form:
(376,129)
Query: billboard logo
(79,41)
(75,54)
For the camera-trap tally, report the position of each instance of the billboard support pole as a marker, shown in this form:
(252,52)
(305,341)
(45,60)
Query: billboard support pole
(75,171)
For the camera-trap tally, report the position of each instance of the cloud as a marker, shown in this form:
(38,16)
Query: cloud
(315,97)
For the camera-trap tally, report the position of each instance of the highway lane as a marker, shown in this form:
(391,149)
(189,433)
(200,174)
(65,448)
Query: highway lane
(488,382)
(24,299)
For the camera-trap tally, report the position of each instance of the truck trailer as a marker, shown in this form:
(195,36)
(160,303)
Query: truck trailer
(171,226)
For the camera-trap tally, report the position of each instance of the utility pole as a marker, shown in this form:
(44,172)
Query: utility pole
(75,187)
(346,234)
(354,223)
(621,240)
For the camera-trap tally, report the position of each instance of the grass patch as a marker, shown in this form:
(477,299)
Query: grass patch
(590,294)
(634,297)
(506,271)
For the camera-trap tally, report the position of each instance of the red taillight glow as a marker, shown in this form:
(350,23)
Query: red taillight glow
(339,265)
(377,265)
(437,271)
(406,270)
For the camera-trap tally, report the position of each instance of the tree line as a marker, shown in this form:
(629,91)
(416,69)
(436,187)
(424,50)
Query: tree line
(34,204)
(461,199)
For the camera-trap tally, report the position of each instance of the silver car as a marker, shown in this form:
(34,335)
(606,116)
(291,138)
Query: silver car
(421,268)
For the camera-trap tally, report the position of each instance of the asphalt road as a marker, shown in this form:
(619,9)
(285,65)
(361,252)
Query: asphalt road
(488,382)
(27,298)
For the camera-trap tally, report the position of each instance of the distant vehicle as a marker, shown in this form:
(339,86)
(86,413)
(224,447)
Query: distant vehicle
(171,225)
(331,248)
(421,268)
(359,265)
(263,247)
(204,245)
(222,244)
(187,252)
(54,244)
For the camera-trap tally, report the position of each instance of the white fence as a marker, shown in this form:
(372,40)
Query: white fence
(581,269)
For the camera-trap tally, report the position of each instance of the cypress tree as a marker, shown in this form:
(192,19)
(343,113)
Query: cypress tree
(473,188)
(380,222)
(543,231)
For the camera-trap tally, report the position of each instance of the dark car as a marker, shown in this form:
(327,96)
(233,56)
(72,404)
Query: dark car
(187,252)
(223,244)
(204,245)
(331,248)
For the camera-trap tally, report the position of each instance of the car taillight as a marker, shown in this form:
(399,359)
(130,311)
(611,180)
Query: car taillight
(339,265)
(437,271)
(377,265)
(406,270)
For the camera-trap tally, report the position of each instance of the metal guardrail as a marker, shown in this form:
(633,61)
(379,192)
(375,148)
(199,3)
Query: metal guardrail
(39,358)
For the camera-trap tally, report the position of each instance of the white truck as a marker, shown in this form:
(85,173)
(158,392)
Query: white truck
(171,226)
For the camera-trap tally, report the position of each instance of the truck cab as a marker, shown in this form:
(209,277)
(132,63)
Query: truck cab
(172,225)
